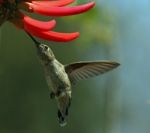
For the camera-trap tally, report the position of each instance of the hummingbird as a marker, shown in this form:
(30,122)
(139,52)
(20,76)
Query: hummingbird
(60,78)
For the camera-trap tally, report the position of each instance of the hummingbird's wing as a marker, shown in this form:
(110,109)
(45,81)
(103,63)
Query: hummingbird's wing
(83,70)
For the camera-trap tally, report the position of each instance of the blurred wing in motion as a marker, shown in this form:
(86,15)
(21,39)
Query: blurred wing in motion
(84,70)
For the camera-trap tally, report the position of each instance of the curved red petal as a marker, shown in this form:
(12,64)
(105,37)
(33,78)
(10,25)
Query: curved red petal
(54,36)
(33,24)
(53,3)
(62,11)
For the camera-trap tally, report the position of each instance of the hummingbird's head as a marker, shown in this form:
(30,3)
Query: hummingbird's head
(45,53)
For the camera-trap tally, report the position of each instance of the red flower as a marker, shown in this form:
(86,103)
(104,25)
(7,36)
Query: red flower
(10,10)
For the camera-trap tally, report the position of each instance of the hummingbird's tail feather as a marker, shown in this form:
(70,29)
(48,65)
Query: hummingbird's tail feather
(63,123)
(62,116)
(67,108)
(62,120)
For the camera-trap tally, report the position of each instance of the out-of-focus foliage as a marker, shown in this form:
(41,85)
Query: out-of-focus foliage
(96,26)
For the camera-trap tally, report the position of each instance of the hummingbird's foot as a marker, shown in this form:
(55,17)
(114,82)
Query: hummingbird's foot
(60,94)
(52,95)
(57,94)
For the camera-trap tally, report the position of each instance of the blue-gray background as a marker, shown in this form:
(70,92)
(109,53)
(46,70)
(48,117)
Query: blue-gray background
(117,102)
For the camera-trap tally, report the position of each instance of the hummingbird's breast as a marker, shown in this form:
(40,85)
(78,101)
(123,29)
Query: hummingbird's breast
(57,76)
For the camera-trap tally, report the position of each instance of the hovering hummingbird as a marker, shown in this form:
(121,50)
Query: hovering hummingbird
(61,77)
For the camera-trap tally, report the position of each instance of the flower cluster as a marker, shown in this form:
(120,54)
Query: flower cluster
(10,10)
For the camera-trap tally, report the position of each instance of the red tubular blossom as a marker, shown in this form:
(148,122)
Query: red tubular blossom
(53,36)
(10,10)
(61,11)
(33,24)
(53,3)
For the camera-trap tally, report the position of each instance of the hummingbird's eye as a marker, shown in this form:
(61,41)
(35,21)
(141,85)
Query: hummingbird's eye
(46,48)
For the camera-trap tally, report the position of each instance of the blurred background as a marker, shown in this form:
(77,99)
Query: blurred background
(116,102)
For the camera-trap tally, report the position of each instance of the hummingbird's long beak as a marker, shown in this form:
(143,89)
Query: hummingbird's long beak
(33,39)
